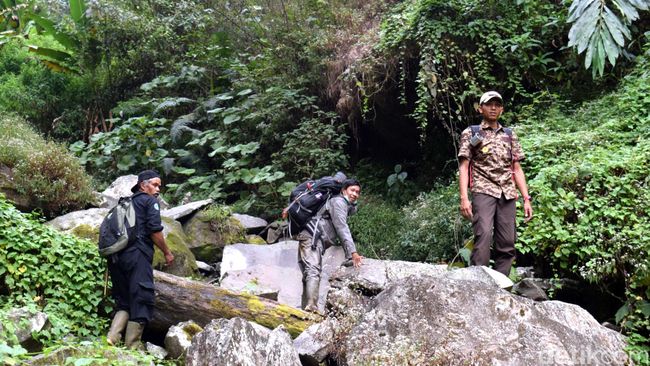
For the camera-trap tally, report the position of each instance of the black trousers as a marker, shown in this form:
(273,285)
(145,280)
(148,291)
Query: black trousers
(133,288)
(493,218)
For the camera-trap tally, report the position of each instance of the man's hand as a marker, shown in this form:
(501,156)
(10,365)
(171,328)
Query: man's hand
(169,258)
(466,208)
(285,213)
(528,211)
(356,260)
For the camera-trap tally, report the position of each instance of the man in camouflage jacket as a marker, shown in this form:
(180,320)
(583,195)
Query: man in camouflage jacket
(489,163)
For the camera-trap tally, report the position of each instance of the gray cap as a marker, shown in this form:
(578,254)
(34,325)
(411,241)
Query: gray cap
(487,96)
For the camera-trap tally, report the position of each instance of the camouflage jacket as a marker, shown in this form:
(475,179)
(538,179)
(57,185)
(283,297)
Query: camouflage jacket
(491,160)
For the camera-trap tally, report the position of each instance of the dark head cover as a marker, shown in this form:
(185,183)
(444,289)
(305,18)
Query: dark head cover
(142,176)
(351,182)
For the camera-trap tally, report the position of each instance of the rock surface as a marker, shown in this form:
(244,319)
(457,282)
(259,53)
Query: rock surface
(252,224)
(237,342)
(84,224)
(274,266)
(180,212)
(179,338)
(446,320)
(207,237)
(317,342)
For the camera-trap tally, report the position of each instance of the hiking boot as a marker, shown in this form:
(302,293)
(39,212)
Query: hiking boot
(310,293)
(133,334)
(117,327)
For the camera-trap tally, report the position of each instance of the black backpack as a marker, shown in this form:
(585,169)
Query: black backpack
(118,228)
(307,198)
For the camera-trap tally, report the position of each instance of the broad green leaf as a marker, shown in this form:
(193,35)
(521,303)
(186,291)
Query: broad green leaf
(611,49)
(245,92)
(617,29)
(56,55)
(77,10)
(50,28)
(231,118)
(628,10)
(622,313)
(183,171)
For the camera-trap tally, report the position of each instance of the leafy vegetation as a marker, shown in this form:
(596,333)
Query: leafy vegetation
(53,272)
(589,175)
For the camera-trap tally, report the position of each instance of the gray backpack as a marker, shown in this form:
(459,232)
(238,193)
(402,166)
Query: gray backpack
(118,228)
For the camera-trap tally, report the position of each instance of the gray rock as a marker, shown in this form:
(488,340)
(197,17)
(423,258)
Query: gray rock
(450,321)
(274,266)
(204,267)
(530,289)
(482,274)
(156,351)
(208,237)
(179,338)
(27,322)
(525,272)
(238,342)
(374,275)
(121,187)
(247,281)
(252,224)
(84,223)
(315,343)
(179,212)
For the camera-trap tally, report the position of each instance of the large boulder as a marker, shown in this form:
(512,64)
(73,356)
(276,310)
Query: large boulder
(83,224)
(317,342)
(184,264)
(252,224)
(237,342)
(450,321)
(25,323)
(187,209)
(275,267)
(121,187)
(208,234)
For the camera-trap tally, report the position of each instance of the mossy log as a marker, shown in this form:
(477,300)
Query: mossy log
(180,299)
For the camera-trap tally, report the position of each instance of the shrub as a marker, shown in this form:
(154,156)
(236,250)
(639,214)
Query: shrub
(375,227)
(432,229)
(53,180)
(45,172)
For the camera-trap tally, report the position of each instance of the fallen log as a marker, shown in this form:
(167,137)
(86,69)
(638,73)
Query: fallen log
(180,299)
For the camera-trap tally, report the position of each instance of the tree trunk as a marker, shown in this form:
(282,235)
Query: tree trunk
(180,299)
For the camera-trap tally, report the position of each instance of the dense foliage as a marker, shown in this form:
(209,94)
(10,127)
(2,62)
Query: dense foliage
(46,270)
(589,176)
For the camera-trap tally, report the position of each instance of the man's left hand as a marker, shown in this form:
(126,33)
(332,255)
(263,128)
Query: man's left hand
(356,260)
(169,258)
(528,211)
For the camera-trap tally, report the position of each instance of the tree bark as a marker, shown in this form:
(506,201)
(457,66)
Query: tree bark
(180,299)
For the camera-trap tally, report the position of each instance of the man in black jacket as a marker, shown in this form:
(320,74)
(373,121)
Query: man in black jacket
(131,270)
